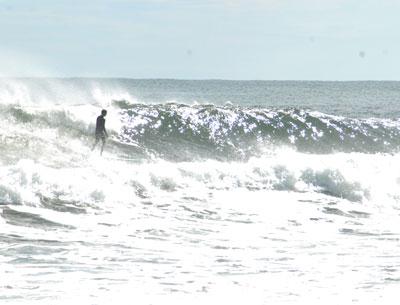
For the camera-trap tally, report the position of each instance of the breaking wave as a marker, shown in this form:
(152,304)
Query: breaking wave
(174,147)
(179,132)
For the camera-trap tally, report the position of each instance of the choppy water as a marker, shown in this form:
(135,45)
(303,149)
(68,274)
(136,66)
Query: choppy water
(208,191)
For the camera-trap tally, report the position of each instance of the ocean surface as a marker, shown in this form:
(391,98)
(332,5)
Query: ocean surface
(208,192)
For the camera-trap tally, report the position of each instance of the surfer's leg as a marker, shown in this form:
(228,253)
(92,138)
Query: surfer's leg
(103,140)
(95,143)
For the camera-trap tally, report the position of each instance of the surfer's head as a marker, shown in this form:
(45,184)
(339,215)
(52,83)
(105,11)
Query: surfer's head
(104,112)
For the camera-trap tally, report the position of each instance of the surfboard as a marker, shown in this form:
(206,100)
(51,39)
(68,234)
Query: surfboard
(122,159)
(132,144)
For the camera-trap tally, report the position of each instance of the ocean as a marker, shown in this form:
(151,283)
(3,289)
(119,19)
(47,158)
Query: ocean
(208,192)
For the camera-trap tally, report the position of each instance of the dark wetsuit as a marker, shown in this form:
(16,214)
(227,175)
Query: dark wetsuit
(101,132)
(101,128)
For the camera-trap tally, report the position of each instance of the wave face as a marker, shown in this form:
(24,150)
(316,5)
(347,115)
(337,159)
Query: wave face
(226,132)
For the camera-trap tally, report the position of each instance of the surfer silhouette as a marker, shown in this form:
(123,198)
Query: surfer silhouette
(101,132)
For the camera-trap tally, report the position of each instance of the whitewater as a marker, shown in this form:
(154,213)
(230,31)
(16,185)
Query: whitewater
(258,192)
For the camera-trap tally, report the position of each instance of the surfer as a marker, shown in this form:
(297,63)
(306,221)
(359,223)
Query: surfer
(101,132)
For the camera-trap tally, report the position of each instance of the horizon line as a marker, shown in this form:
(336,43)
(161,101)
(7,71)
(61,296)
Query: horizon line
(197,79)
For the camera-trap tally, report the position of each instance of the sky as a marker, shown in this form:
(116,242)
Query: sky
(201,39)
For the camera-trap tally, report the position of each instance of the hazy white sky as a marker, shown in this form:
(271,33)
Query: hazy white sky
(228,39)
